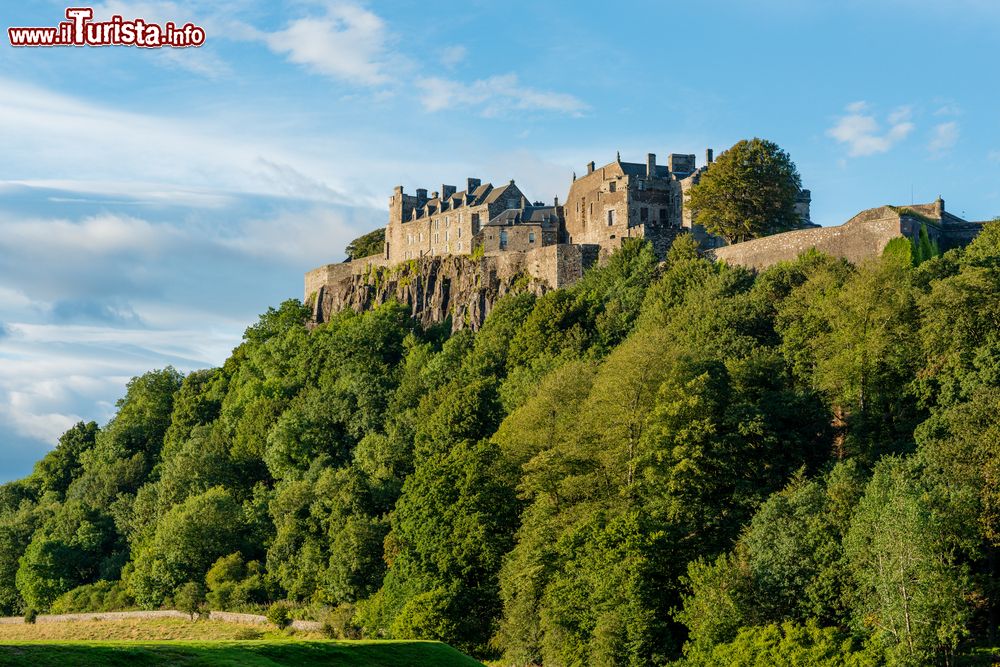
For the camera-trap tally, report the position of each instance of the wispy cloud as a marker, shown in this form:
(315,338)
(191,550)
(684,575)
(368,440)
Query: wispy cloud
(347,43)
(944,138)
(453,55)
(863,135)
(495,96)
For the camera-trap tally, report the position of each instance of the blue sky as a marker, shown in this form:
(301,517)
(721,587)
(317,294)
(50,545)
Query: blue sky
(154,202)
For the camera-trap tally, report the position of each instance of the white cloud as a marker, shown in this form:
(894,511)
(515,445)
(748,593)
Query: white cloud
(948,109)
(495,96)
(453,55)
(348,43)
(944,138)
(862,134)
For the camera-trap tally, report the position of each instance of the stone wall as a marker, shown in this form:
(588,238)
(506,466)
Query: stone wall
(461,287)
(225,616)
(863,236)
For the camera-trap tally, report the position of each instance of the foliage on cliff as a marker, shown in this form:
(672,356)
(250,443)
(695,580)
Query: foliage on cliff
(688,462)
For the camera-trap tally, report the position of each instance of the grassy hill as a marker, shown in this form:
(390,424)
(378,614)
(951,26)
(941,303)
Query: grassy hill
(256,653)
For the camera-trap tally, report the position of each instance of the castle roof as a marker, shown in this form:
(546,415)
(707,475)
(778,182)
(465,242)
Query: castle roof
(637,169)
(496,193)
(528,215)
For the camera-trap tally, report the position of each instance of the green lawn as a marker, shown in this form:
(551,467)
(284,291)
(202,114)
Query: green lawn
(233,653)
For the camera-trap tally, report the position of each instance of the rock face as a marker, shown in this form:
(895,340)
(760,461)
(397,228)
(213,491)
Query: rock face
(461,287)
(434,289)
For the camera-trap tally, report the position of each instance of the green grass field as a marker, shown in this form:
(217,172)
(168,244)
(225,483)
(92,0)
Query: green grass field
(254,653)
(174,641)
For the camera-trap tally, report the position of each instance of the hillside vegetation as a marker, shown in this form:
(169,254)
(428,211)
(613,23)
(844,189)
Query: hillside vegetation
(680,462)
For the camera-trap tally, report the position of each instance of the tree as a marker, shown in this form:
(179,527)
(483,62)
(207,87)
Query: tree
(71,548)
(62,464)
(911,592)
(189,598)
(749,191)
(366,245)
(188,540)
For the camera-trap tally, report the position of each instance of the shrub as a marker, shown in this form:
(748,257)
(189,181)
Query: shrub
(30,615)
(98,596)
(338,623)
(190,598)
(279,614)
(248,634)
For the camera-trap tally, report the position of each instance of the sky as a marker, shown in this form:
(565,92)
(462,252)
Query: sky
(154,202)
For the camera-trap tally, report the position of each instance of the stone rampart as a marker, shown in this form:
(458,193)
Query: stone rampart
(863,236)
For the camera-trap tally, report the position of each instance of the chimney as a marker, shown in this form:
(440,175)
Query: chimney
(590,167)
(651,165)
(421,194)
(447,191)
(434,195)
(709,156)
(939,207)
(471,184)
(555,202)
(398,190)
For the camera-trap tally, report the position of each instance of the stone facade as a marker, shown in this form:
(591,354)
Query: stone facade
(860,238)
(446,222)
(628,199)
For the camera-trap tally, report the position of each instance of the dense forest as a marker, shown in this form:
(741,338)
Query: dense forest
(667,462)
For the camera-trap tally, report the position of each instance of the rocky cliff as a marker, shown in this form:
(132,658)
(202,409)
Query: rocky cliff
(434,289)
(462,287)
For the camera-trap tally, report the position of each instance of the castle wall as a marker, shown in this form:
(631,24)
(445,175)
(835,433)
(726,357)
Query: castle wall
(863,236)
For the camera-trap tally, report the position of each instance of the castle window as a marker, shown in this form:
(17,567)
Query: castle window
(421,237)
(459,232)
(611,217)
(503,240)
(643,214)
(475,224)
(446,234)
(531,237)
(460,246)
(611,186)
(437,237)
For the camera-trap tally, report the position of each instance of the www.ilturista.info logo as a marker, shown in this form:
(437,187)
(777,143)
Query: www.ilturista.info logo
(80,30)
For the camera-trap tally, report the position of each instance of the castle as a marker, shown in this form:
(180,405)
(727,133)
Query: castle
(606,205)
(454,253)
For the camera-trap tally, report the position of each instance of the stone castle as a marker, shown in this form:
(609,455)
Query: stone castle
(606,205)
(453,253)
